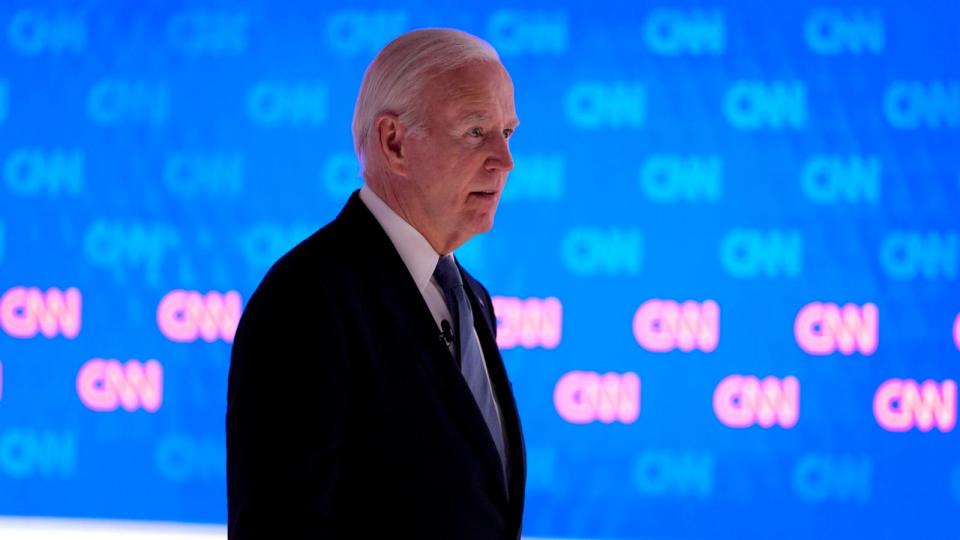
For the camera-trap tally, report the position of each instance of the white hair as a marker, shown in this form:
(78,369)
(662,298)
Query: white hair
(397,77)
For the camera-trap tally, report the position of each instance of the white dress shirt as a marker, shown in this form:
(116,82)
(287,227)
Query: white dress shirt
(421,260)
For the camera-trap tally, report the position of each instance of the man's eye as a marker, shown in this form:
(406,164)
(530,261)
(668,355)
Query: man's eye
(507,133)
(476,132)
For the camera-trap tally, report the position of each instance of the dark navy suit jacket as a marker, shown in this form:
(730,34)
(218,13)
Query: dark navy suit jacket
(346,415)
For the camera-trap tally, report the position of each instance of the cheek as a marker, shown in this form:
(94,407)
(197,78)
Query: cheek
(447,171)
(469,163)
(457,171)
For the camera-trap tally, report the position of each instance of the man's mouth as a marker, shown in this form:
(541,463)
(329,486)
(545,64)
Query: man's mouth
(484,193)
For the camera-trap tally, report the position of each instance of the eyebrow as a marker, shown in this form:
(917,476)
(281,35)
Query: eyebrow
(481,116)
(473,115)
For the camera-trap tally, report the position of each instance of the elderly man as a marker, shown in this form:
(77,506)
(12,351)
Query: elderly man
(367,397)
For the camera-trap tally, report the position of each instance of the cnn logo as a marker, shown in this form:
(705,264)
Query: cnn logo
(530,323)
(901,405)
(741,401)
(107,385)
(28,311)
(582,397)
(186,316)
(824,328)
(666,325)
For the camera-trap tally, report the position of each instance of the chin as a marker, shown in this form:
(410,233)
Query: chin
(479,226)
(485,223)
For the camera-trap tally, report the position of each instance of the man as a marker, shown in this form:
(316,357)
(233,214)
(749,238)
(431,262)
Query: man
(367,397)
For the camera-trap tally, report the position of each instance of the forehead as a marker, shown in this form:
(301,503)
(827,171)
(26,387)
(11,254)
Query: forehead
(481,88)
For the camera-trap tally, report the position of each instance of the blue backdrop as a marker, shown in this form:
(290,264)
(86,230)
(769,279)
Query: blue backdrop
(726,262)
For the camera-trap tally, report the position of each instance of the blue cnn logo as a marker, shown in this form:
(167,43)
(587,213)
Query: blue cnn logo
(514,32)
(750,253)
(263,243)
(674,474)
(30,453)
(907,255)
(668,179)
(181,458)
(136,245)
(29,172)
(31,33)
(212,175)
(536,178)
(271,103)
(831,32)
(116,101)
(588,251)
(672,32)
(591,105)
(757,105)
(823,478)
(341,175)
(356,31)
(911,105)
(835,179)
(214,33)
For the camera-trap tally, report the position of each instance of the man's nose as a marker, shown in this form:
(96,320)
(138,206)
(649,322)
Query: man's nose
(500,160)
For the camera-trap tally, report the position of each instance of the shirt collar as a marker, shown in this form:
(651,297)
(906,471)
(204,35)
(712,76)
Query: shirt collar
(417,253)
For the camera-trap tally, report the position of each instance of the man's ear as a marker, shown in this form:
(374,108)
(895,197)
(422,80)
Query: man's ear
(390,142)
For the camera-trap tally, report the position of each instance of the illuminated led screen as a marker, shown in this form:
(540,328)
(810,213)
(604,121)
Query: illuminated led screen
(725,267)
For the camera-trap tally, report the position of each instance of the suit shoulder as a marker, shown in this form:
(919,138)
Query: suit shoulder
(310,261)
(303,271)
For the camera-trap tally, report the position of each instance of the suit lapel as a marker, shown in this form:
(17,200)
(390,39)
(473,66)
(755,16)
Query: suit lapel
(516,462)
(439,368)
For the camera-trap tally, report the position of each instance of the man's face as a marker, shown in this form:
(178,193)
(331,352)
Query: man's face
(458,167)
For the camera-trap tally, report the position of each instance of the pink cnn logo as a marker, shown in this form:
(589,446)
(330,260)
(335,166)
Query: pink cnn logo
(582,397)
(742,401)
(956,331)
(902,404)
(25,312)
(823,329)
(529,323)
(106,385)
(186,316)
(665,325)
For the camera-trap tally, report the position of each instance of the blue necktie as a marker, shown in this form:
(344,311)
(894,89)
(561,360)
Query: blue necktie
(471,361)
